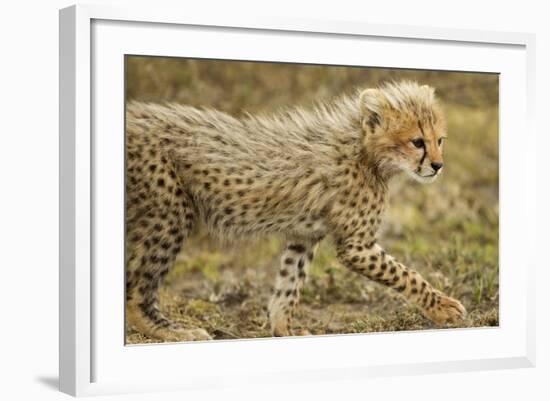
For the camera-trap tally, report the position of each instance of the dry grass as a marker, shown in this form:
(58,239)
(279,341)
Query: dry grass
(448,231)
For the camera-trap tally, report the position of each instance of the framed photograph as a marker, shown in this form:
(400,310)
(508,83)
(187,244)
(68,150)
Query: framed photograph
(268,200)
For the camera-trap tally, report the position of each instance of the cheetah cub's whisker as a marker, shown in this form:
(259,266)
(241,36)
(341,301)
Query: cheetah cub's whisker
(305,173)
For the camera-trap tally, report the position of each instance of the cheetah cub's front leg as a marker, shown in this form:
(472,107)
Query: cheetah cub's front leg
(370,260)
(291,277)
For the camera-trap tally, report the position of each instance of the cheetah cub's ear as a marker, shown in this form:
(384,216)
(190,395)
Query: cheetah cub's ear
(429,90)
(372,105)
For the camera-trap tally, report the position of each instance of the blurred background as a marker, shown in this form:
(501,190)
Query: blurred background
(447,230)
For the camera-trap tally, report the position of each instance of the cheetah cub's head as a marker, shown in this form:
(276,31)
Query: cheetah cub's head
(404,130)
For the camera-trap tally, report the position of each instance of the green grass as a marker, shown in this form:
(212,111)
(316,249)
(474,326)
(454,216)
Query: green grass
(448,230)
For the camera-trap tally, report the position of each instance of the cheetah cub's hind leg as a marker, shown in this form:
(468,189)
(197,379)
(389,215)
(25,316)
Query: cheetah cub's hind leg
(154,238)
(295,261)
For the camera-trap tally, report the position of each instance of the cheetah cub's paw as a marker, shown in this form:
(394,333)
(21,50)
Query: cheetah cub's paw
(446,310)
(281,331)
(186,335)
(285,332)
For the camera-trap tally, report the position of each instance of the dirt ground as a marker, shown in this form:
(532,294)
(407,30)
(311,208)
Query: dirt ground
(447,230)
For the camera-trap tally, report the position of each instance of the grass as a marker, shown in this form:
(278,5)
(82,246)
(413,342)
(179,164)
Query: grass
(448,230)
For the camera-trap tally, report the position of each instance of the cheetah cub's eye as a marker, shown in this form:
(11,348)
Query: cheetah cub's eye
(440,140)
(418,142)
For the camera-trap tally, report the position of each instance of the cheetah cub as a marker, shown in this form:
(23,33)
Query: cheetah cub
(304,173)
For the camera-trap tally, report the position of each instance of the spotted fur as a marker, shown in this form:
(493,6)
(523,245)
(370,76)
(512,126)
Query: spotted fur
(306,174)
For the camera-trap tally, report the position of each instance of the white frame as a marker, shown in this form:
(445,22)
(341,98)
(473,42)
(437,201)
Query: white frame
(76,340)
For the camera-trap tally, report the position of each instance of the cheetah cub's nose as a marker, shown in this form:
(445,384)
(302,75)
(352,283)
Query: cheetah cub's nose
(437,166)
